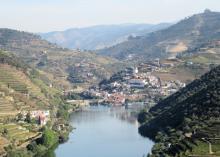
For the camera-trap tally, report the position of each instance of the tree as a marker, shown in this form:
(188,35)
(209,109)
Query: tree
(19,116)
(28,118)
(62,113)
(18,153)
(5,131)
(49,138)
(32,146)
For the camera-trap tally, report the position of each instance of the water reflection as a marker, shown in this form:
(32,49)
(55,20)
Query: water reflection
(104,132)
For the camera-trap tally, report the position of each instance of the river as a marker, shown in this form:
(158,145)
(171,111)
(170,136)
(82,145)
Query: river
(104,132)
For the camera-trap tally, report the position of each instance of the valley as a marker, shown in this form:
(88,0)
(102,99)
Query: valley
(127,90)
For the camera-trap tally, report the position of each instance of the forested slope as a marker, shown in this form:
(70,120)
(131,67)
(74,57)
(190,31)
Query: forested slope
(189,115)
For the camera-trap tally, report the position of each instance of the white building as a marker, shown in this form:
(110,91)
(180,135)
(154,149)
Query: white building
(137,83)
(153,80)
(135,70)
(42,116)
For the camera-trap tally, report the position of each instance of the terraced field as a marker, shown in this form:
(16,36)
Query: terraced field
(205,58)
(213,130)
(3,143)
(8,79)
(18,81)
(24,92)
(17,133)
(6,105)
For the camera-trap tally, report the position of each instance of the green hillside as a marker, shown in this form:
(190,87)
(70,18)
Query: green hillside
(22,87)
(63,66)
(183,123)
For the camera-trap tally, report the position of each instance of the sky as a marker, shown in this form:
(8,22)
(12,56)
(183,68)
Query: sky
(56,15)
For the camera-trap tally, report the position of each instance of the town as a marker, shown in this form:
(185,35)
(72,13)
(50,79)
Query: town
(136,86)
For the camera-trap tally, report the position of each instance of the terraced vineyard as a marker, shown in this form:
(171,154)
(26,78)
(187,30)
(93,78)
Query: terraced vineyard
(8,79)
(18,81)
(211,131)
(17,133)
(3,143)
(22,93)
(22,89)
(6,105)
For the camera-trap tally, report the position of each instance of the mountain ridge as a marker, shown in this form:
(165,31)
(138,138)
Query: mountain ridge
(99,36)
(181,37)
(60,62)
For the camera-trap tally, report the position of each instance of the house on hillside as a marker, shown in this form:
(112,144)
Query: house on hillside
(153,81)
(41,116)
(170,87)
(116,99)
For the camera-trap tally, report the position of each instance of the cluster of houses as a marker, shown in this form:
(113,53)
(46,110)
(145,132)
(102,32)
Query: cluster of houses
(136,84)
(170,87)
(116,98)
(40,116)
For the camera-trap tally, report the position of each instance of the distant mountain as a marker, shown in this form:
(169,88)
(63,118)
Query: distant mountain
(181,121)
(97,37)
(188,34)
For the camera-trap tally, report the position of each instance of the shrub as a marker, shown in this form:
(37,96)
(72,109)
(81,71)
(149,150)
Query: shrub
(49,138)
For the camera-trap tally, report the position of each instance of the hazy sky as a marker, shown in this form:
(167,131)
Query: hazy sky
(49,15)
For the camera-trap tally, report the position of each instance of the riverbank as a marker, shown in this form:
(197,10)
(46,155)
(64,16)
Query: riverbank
(53,133)
(93,131)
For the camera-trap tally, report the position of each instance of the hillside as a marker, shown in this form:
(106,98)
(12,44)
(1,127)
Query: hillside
(187,35)
(184,122)
(97,37)
(22,88)
(28,103)
(64,67)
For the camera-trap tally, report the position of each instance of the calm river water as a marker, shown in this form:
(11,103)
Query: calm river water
(104,132)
